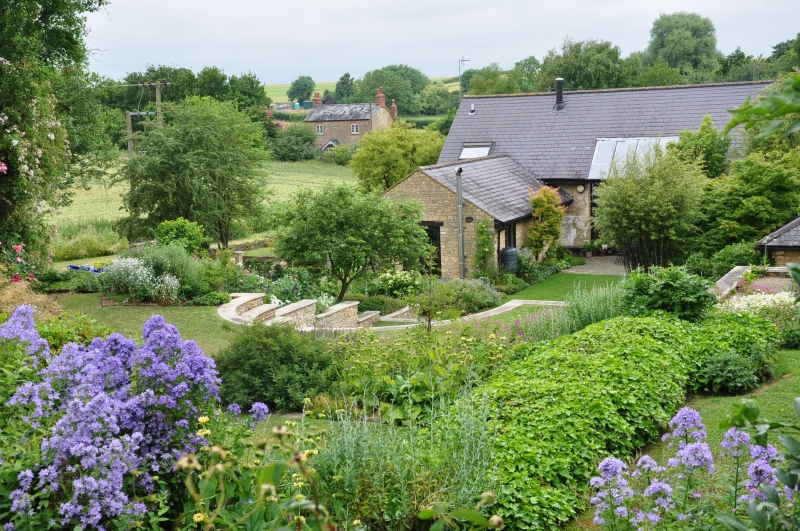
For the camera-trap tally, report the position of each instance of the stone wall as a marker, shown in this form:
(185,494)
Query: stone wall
(577,225)
(342,315)
(439,204)
(300,313)
(785,257)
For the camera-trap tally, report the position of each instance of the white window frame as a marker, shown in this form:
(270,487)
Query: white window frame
(600,170)
(353,129)
(475,146)
(320,129)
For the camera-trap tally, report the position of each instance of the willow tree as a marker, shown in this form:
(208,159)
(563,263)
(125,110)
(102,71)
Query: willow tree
(648,206)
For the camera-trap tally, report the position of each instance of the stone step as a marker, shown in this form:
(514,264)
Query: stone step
(300,313)
(240,303)
(367,319)
(262,313)
(342,315)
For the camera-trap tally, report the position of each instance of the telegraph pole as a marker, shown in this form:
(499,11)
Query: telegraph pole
(158,104)
(158,112)
(460,62)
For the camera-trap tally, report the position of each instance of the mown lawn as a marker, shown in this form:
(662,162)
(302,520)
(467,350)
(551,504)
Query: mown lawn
(287,178)
(200,323)
(557,287)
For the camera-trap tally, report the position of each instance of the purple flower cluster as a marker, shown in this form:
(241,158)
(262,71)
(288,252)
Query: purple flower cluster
(686,425)
(613,489)
(115,408)
(259,412)
(760,472)
(735,443)
(20,326)
(693,456)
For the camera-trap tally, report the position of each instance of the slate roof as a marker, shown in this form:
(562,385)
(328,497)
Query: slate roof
(786,237)
(336,112)
(497,185)
(559,145)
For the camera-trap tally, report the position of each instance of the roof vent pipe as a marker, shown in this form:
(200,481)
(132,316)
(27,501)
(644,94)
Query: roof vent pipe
(472,108)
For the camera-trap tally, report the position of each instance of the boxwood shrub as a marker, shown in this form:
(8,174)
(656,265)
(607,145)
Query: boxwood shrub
(567,403)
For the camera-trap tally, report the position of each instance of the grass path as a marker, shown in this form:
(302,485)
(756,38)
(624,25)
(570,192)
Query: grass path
(556,287)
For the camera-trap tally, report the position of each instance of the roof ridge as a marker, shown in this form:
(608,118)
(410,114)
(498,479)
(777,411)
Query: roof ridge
(462,161)
(623,89)
(780,231)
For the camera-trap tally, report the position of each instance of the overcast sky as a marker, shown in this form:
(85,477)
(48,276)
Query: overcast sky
(279,41)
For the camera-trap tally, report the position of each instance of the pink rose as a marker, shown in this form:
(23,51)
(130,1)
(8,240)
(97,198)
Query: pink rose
(32,276)
(16,278)
(19,259)
(3,167)
(17,248)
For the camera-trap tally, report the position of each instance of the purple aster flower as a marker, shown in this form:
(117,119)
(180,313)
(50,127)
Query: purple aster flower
(234,409)
(686,425)
(611,467)
(648,464)
(259,411)
(735,442)
(696,455)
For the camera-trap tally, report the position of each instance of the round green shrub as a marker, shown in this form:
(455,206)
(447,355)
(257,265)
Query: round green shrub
(380,303)
(565,404)
(339,155)
(732,353)
(737,254)
(669,289)
(181,232)
(274,364)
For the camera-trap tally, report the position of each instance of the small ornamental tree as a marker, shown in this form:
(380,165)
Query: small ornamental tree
(301,89)
(385,156)
(548,213)
(648,206)
(350,232)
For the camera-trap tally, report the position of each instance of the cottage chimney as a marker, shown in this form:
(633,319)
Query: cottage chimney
(393,110)
(316,100)
(559,93)
(380,98)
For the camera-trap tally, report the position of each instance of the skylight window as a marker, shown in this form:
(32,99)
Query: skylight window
(470,151)
(616,149)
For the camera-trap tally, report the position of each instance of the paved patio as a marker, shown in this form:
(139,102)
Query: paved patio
(599,265)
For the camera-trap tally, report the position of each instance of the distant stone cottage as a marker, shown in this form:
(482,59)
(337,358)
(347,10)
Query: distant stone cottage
(347,123)
(783,245)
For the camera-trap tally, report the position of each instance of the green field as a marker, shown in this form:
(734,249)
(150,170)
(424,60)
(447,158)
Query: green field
(277,93)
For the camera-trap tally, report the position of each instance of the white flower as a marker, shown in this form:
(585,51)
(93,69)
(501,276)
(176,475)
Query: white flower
(14,142)
(51,136)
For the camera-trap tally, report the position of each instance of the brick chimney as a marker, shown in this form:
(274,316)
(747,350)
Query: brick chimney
(393,110)
(316,100)
(380,98)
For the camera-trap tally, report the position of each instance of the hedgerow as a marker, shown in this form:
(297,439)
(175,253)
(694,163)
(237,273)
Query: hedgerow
(567,403)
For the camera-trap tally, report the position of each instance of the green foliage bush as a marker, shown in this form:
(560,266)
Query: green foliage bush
(732,353)
(174,260)
(186,234)
(380,303)
(736,254)
(669,289)
(86,239)
(295,143)
(339,155)
(401,376)
(459,296)
(567,403)
(510,284)
(276,365)
(213,298)
(398,284)
(70,328)
(53,281)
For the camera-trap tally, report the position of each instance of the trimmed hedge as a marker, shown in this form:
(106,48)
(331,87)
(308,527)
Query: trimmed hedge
(561,406)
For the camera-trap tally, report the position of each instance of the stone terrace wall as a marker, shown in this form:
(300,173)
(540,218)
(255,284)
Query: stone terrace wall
(343,315)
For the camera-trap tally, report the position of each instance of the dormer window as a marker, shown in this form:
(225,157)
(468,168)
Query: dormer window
(473,150)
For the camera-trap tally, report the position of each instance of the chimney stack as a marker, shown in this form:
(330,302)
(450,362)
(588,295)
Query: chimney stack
(380,98)
(559,93)
(393,110)
(316,100)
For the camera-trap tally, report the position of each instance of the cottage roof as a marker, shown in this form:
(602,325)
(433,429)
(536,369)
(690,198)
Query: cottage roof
(341,112)
(497,185)
(784,238)
(560,144)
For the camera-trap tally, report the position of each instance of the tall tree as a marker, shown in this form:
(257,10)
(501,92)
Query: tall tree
(37,43)
(247,91)
(345,88)
(708,146)
(212,82)
(202,165)
(583,65)
(529,70)
(395,86)
(352,233)
(385,156)
(684,40)
(301,89)
(433,98)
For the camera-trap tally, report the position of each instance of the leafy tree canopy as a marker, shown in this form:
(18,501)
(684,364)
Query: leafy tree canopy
(202,165)
(395,86)
(493,80)
(211,82)
(385,156)
(778,108)
(246,91)
(345,88)
(529,70)
(545,228)
(434,98)
(466,78)
(443,124)
(587,64)
(658,74)
(648,206)
(352,232)
(684,40)
(708,146)
(301,89)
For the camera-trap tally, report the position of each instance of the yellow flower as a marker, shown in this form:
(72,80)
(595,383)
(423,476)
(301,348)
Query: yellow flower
(356,522)
(198,517)
(203,420)
(491,336)
(203,433)
(299,497)
(300,519)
